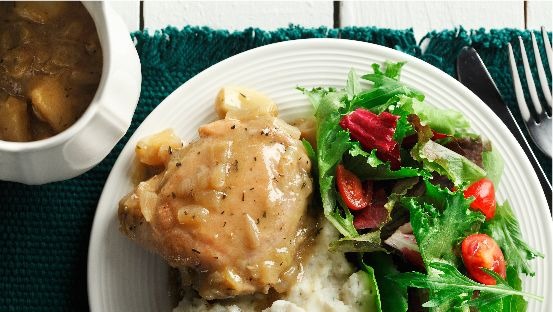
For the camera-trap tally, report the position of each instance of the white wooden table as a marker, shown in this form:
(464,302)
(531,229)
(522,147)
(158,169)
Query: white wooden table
(422,16)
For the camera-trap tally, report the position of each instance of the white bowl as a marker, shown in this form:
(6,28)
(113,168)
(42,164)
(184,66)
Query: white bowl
(88,141)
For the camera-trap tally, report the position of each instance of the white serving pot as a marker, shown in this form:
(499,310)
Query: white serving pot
(88,141)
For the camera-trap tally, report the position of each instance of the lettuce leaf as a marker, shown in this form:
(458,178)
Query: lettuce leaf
(332,143)
(444,161)
(445,121)
(493,164)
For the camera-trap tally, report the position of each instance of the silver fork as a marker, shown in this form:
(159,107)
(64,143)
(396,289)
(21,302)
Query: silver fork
(540,128)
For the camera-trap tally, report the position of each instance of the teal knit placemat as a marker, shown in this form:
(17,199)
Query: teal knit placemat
(44,230)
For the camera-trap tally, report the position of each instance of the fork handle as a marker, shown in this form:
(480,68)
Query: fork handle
(545,183)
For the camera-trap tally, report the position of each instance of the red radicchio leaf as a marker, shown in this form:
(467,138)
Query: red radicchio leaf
(404,241)
(374,214)
(374,132)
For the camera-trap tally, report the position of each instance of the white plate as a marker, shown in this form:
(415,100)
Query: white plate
(124,277)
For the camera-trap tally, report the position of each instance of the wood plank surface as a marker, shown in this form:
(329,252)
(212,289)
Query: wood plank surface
(540,13)
(424,16)
(129,11)
(237,15)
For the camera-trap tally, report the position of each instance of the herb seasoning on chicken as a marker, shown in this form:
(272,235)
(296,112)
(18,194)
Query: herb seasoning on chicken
(230,209)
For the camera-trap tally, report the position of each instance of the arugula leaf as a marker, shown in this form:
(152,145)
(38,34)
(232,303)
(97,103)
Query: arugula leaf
(386,87)
(381,95)
(444,161)
(369,166)
(353,87)
(440,220)
(393,295)
(448,287)
(504,228)
(509,303)
(367,297)
(369,242)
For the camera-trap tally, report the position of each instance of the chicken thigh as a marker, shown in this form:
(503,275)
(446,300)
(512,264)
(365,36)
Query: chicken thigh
(230,209)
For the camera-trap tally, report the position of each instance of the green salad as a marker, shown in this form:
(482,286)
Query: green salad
(412,192)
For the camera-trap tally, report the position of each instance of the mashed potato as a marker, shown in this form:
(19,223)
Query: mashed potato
(328,284)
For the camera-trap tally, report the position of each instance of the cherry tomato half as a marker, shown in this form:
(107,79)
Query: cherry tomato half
(481,251)
(351,189)
(484,197)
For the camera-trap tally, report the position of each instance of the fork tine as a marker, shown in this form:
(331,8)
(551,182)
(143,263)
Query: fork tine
(541,72)
(530,81)
(524,112)
(548,49)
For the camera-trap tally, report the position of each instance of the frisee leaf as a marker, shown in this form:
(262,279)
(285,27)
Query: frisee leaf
(332,143)
(440,220)
(504,228)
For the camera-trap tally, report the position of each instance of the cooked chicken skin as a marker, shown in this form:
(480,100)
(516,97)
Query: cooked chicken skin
(231,207)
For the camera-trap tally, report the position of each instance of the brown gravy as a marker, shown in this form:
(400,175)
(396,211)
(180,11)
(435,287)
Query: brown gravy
(50,67)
